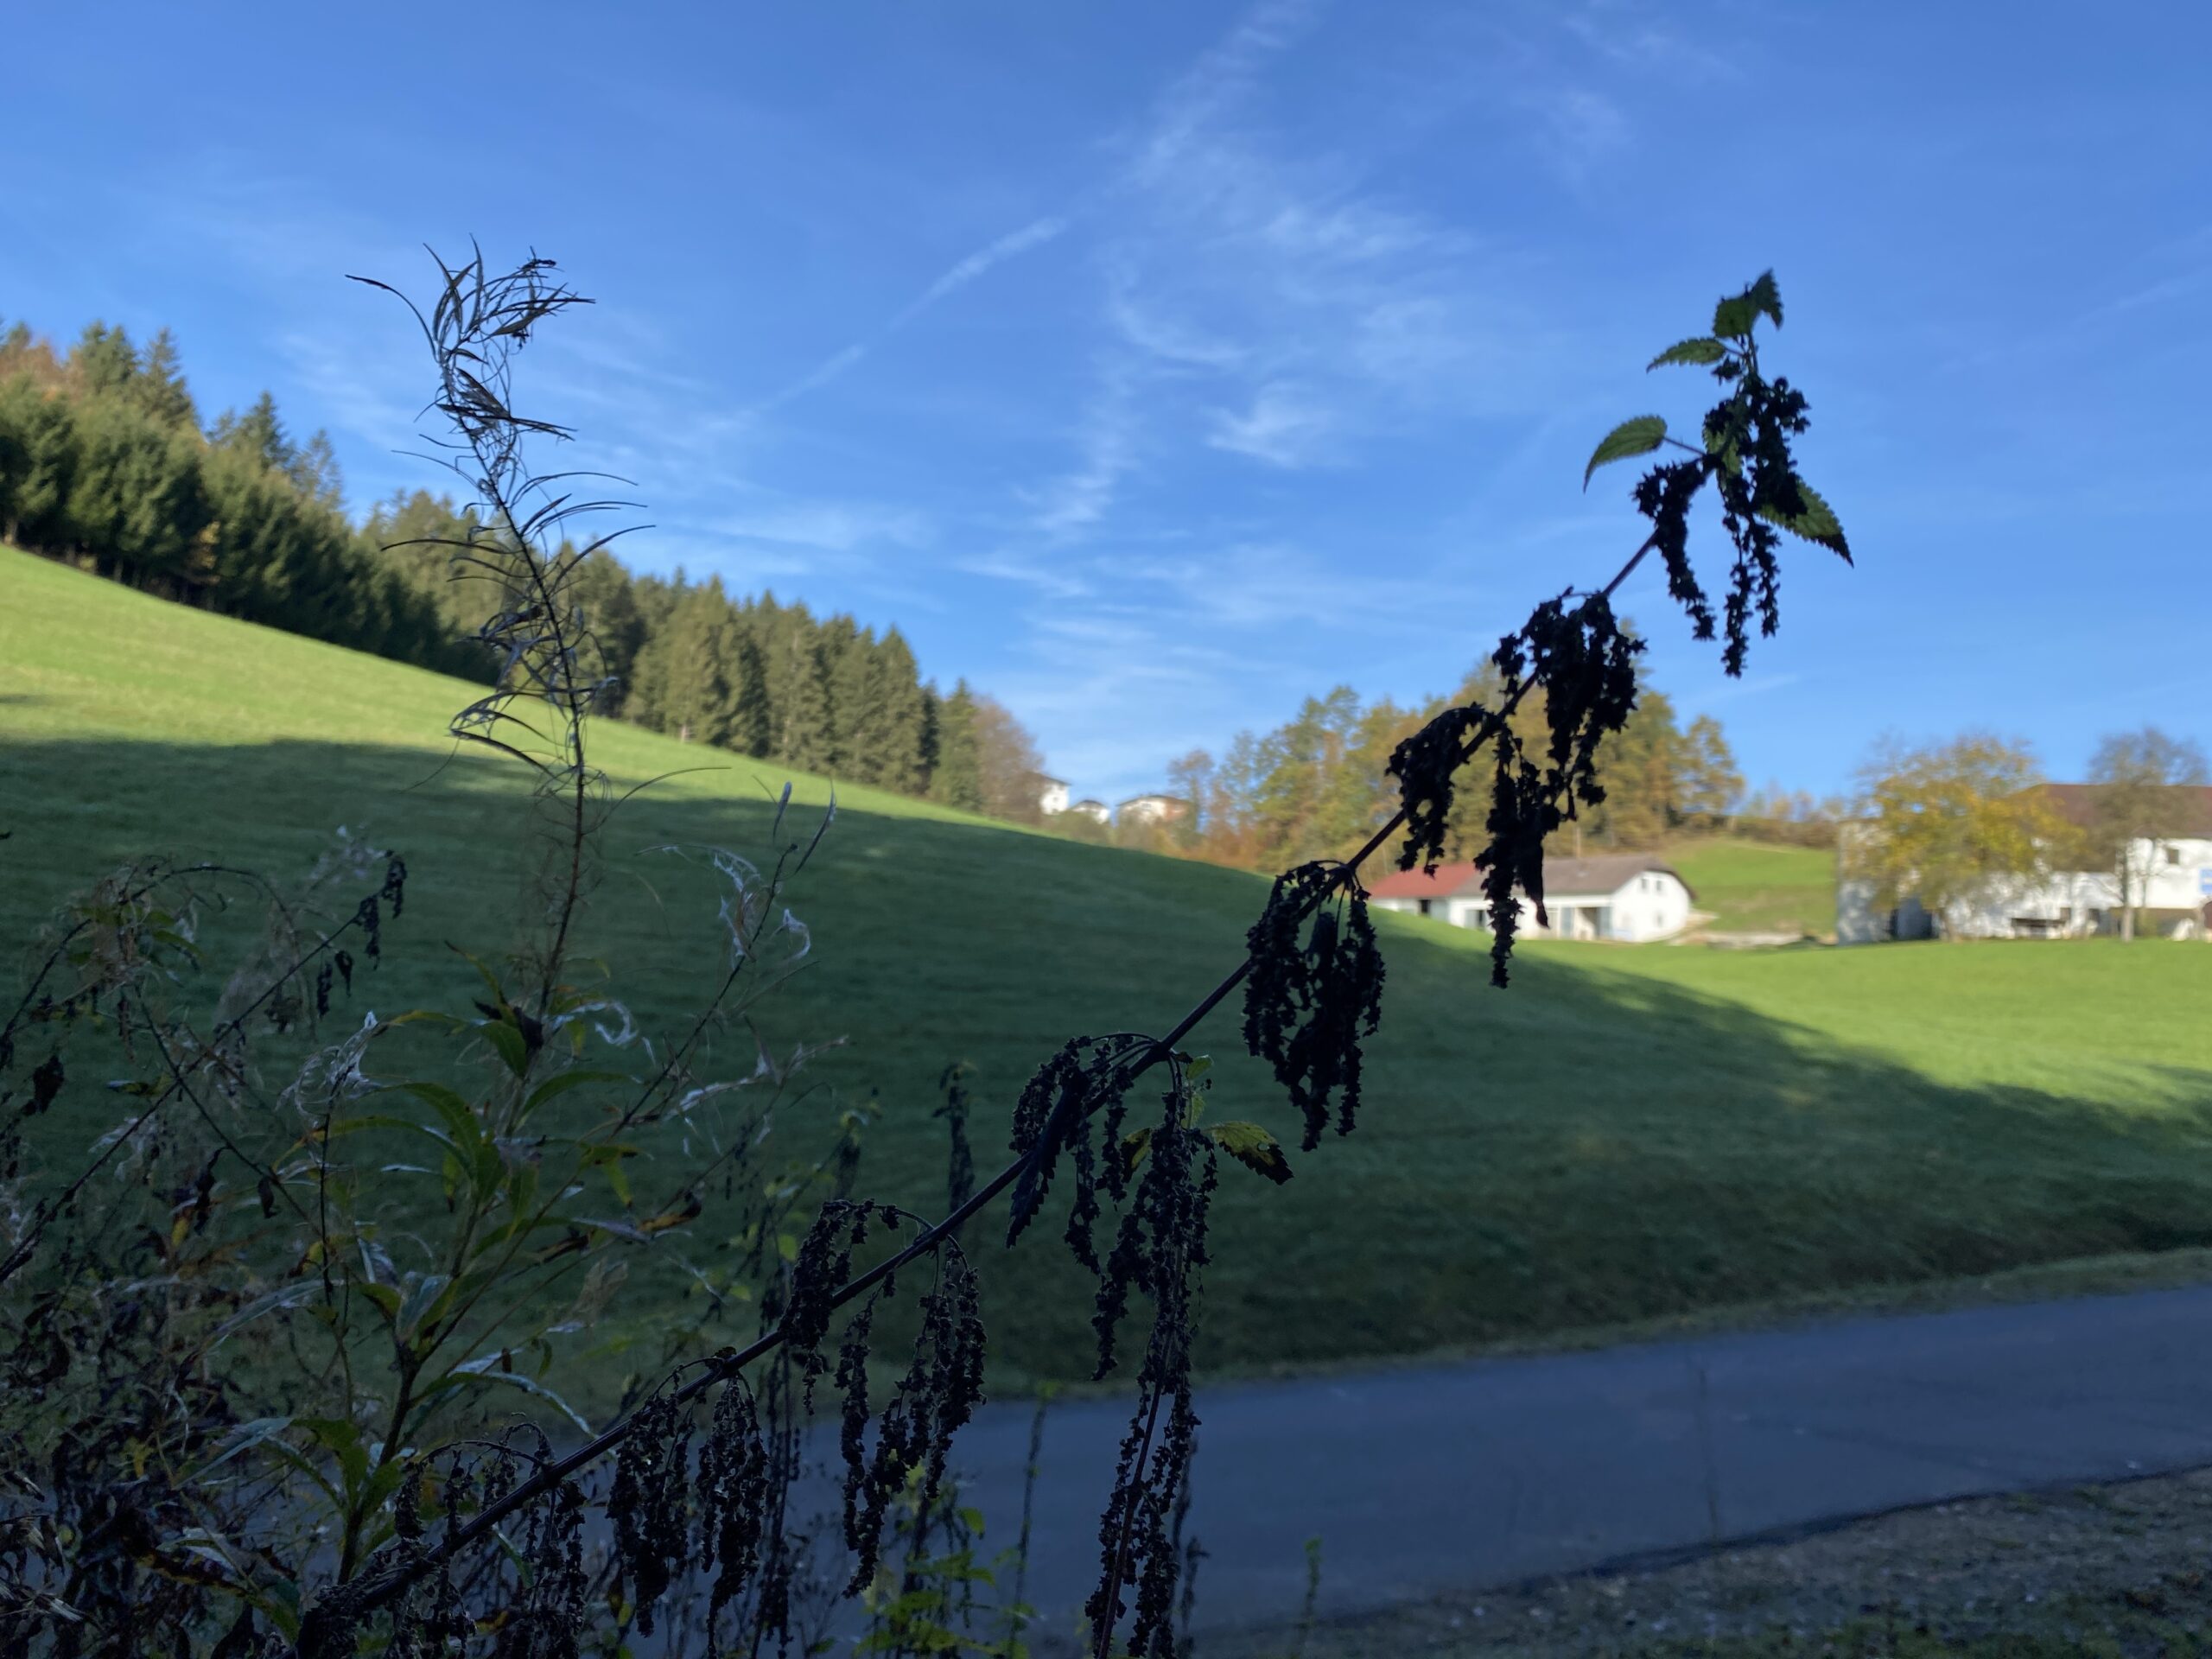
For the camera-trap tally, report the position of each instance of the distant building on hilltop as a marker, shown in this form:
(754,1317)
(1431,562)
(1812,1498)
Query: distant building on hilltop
(2172,880)
(1097,812)
(1629,897)
(1152,809)
(1051,793)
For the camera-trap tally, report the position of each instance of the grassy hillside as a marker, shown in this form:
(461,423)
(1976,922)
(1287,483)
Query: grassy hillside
(1625,1134)
(1750,886)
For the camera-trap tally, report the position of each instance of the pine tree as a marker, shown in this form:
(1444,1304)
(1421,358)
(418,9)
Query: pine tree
(314,473)
(104,363)
(602,592)
(134,501)
(798,693)
(957,778)
(845,651)
(752,714)
(932,738)
(685,671)
(902,717)
(38,458)
(161,389)
(258,433)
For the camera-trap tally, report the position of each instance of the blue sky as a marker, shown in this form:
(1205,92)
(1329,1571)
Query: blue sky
(1153,365)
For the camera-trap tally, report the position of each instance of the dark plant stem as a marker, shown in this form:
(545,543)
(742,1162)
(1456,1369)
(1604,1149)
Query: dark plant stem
(1104,1643)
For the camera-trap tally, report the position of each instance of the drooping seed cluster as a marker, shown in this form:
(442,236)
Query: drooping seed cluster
(1314,991)
(1161,1250)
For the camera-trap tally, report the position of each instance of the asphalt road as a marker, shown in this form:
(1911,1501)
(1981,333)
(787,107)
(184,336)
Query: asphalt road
(1431,1481)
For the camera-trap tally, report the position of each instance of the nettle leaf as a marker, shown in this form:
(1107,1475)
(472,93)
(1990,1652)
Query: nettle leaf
(1817,523)
(1135,1144)
(1733,319)
(1703,349)
(1254,1147)
(1637,438)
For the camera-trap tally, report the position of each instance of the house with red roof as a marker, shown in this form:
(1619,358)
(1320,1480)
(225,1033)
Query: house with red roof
(1630,896)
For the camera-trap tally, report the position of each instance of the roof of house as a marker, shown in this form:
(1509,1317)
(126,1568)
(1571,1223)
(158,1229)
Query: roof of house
(1164,800)
(2191,813)
(1440,883)
(1563,877)
(1088,800)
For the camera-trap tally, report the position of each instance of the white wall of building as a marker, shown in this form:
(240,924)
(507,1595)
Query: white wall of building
(1653,906)
(2173,875)
(1052,795)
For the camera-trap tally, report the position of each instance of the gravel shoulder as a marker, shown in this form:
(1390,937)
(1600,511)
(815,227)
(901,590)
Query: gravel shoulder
(2121,1568)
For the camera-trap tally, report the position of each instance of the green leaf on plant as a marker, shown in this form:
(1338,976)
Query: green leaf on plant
(1733,319)
(509,1041)
(1254,1147)
(1700,350)
(554,1087)
(1135,1144)
(1637,438)
(385,1298)
(487,1368)
(1818,523)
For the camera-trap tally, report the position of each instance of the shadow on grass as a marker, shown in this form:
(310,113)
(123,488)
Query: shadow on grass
(1589,1147)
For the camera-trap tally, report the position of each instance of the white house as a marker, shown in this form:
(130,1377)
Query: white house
(1097,812)
(2169,876)
(1051,793)
(1629,897)
(1152,809)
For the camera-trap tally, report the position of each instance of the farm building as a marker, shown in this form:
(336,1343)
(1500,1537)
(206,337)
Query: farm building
(1629,897)
(2169,880)
(1152,809)
(1052,793)
(1096,810)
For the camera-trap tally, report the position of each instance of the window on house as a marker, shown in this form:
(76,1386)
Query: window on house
(2173,854)
(1424,905)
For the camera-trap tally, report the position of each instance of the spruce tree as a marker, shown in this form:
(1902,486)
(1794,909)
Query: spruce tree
(258,433)
(134,501)
(684,672)
(752,715)
(902,717)
(104,363)
(161,389)
(957,780)
(798,693)
(855,700)
(932,734)
(313,471)
(38,458)
(601,589)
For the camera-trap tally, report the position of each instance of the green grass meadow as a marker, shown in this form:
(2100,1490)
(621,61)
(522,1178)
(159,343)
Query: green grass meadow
(1626,1135)
(1749,887)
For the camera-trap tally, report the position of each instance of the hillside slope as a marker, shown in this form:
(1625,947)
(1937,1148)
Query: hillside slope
(1625,1133)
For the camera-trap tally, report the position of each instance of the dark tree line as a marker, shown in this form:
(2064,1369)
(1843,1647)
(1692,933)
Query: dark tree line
(105,462)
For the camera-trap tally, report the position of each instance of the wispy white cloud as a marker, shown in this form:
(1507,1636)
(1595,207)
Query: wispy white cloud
(1266,300)
(1077,501)
(1035,234)
(1283,426)
(1584,126)
(828,527)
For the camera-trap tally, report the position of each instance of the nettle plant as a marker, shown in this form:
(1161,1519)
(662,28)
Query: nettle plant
(295,1380)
